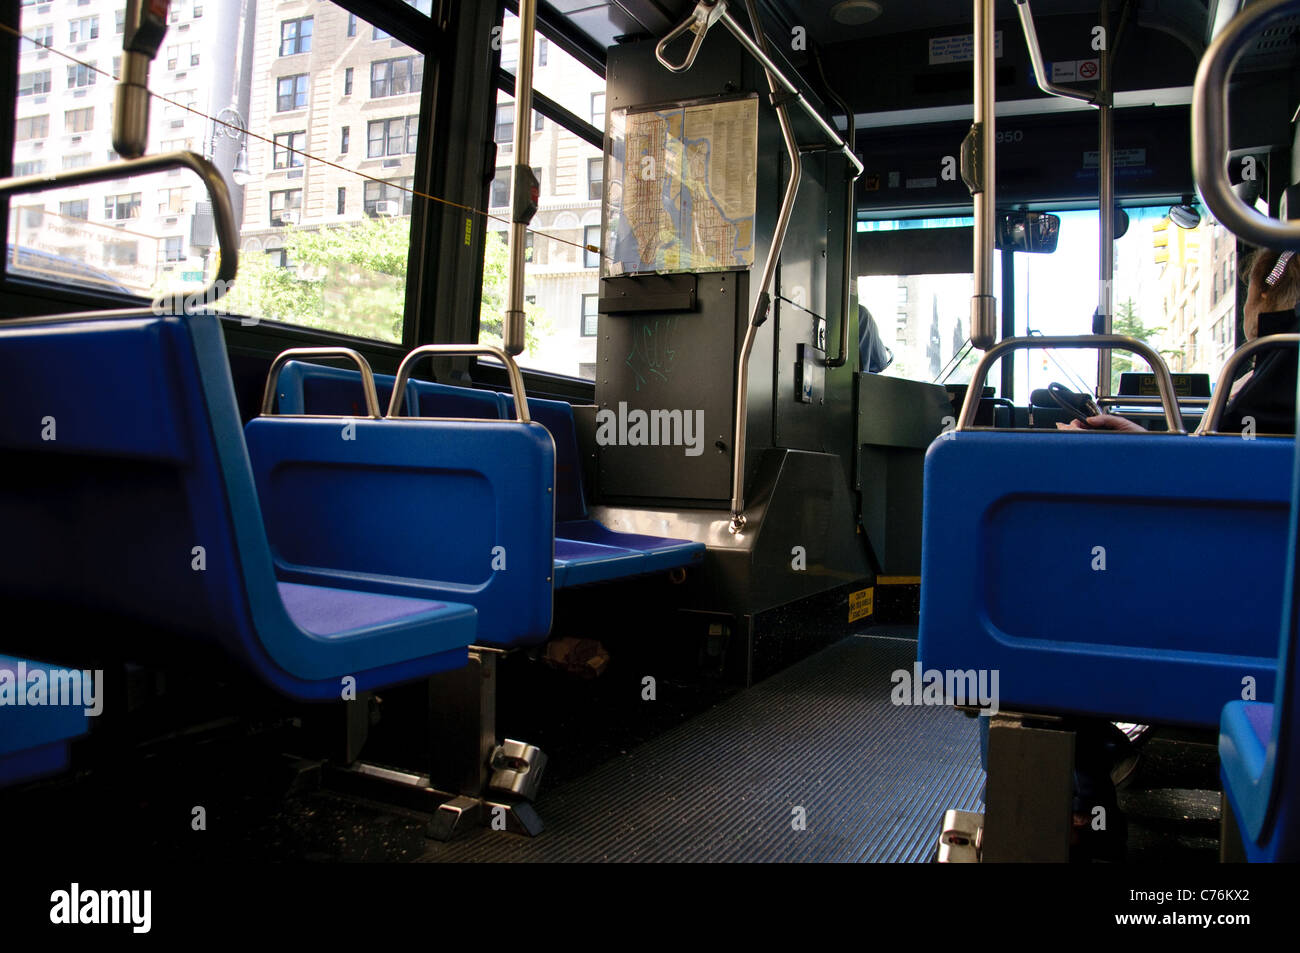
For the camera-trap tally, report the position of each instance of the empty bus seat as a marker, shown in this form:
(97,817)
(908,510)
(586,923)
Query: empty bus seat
(1131,577)
(127,493)
(445,509)
(34,738)
(586,552)
(1259,742)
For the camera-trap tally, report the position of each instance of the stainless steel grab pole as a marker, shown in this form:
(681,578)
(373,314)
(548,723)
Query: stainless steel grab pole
(1105,205)
(514,327)
(983,305)
(762,301)
(1223,389)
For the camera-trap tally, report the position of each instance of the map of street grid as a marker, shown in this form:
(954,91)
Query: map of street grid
(688,188)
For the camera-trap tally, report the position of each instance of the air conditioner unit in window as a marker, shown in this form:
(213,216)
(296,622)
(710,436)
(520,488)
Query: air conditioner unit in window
(288,216)
(388,208)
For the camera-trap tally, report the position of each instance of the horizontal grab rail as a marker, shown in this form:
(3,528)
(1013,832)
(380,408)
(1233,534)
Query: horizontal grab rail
(1210,129)
(223,213)
(458,350)
(1219,402)
(284,357)
(1173,417)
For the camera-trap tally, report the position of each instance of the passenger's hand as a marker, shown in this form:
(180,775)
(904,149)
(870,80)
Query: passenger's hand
(1104,422)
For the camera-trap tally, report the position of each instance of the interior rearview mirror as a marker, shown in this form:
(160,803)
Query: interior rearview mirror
(1028,231)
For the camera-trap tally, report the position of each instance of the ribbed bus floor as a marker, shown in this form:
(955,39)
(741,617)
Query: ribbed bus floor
(812,764)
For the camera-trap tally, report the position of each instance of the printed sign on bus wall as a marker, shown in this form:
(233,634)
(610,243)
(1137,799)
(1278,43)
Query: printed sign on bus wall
(861,603)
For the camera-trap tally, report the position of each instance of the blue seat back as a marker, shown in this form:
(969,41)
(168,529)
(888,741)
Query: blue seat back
(306,388)
(127,490)
(1116,575)
(336,391)
(455,509)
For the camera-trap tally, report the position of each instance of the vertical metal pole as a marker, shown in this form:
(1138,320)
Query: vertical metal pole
(1009,323)
(516,319)
(983,305)
(1105,205)
(763,300)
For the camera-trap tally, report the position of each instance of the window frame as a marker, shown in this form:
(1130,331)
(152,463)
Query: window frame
(300,40)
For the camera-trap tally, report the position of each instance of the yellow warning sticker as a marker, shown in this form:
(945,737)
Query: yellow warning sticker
(861,603)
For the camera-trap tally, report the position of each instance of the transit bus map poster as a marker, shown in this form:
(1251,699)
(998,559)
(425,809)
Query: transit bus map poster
(681,187)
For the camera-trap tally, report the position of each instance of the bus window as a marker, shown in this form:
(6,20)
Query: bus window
(924,319)
(561,284)
(317,139)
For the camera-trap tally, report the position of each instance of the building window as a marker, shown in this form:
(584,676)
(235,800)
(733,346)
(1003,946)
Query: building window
(352,24)
(510,54)
(598,110)
(392,137)
(591,236)
(78,160)
(78,208)
(122,253)
(118,208)
(82,74)
(31,127)
(35,84)
(174,248)
(173,201)
(79,120)
(198,11)
(83,29)
(388,198)
(347,81)
(291,93)
(279,257)
(345,139)
(41,36)
(543,48)
(288,149)
(501,188)
(595,179)
(505,124)
(396,77)
(295,36)
(343,200)
(285,206)
(182,56)
(539,121)
(31,167)
(590,315)
(119,21)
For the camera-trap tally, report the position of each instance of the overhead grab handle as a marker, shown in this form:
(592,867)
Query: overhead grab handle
(1173,417)
(705,14)
(448,350)
(1223,389)
(293,353)
(1036,57)
(223,213)
(1210,141)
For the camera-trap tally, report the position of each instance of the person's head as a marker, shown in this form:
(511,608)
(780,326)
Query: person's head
(1274,286)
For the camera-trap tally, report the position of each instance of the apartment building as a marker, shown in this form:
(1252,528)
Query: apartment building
(141,234)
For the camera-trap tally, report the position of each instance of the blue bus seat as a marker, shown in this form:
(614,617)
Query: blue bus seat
(330,391)
(585,551)
(34,739)
(127,491)
(1109,575)
(459,510)
(1259,742)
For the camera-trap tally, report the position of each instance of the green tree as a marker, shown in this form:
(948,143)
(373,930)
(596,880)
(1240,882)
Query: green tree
(1128,323)
(351,279)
